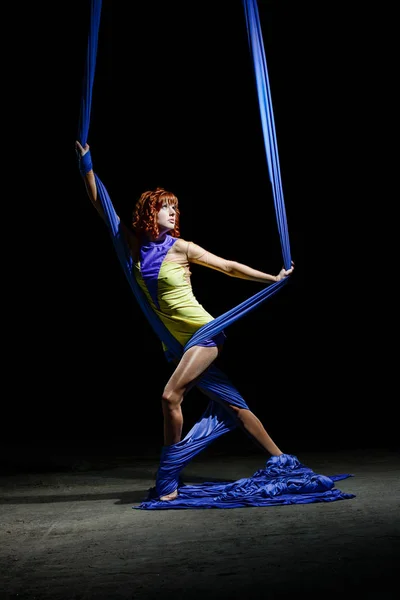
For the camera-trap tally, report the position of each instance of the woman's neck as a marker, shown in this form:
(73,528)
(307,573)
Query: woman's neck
(160,238)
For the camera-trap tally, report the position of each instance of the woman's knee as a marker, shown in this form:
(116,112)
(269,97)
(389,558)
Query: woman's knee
(171,399)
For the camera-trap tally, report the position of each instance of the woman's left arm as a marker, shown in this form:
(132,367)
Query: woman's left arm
(198,255)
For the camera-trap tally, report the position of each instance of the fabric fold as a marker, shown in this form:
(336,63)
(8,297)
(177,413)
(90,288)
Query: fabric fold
(283,480)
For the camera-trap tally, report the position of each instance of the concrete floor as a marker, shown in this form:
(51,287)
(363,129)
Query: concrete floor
(70,533)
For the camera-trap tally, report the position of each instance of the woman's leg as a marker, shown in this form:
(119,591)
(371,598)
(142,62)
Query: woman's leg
(190,368)
(192,365)
(248,421)
(255,428)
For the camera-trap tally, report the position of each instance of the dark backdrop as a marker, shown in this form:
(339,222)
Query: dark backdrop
(174,104)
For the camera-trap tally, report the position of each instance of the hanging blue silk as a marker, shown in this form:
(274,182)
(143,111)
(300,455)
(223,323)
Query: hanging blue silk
(284,480)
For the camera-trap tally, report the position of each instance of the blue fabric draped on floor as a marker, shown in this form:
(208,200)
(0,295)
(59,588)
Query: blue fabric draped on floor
(283,480)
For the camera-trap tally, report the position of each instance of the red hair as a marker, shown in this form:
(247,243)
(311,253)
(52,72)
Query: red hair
(144,217)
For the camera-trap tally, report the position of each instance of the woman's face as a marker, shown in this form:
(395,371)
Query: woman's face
(166,217)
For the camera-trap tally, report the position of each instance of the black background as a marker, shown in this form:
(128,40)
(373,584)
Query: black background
(174,104)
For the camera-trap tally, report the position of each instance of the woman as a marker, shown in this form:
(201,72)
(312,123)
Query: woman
(161,261)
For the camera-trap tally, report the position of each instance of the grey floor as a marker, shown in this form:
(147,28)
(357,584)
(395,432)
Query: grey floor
(69,533)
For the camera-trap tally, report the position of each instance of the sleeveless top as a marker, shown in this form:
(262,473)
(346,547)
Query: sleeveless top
(164,277)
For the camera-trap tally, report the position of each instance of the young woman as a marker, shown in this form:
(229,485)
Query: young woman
(162,269)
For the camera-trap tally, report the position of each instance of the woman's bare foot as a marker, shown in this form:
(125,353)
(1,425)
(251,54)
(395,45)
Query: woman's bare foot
(168,497)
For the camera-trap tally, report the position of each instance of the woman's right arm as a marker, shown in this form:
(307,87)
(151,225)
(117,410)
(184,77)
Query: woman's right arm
(88,178)
(86,169)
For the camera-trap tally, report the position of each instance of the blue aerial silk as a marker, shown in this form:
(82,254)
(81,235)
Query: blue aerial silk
(284,480)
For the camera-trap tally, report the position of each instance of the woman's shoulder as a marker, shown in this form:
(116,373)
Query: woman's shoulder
(191,250)
(181,245)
